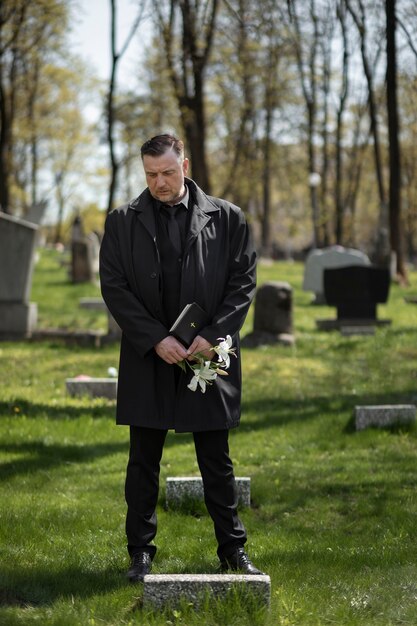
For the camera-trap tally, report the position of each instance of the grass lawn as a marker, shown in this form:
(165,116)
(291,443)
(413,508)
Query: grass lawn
(334,515)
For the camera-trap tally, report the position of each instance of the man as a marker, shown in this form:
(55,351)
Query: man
(171,246)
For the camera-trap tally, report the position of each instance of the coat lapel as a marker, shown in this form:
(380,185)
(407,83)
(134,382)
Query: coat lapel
(143,205)
(201,208)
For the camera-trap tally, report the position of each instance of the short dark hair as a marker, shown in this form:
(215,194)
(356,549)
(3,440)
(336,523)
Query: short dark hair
(158,145)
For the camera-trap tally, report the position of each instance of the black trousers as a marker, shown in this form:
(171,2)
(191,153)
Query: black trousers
(142,486)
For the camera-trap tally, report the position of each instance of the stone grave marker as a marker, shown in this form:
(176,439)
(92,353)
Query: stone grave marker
(82,261)
(181,488)
(355,291)
(384,415)
(98,304)
(320,259)
(36,213)
(167,590)
(273,319)
(93,387)
(18,316)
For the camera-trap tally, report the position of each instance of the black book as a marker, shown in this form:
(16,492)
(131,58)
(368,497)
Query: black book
(189,322)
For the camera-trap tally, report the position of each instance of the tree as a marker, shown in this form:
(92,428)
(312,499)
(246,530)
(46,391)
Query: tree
(360,19)
(67,138)
(12,18)
(343,94)
(30,34)
(394,144)
(187,29)
(306,48)
(111,113)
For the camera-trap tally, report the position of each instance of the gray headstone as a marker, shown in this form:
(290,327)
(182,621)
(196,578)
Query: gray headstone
(169,589)
(94,241)
(320,259)
(95,304)
(348,331)
(181,488)
(36,213)
(273,316)
(98,304)
(93,387)
(384,415)
(81,262)
(77,229)
(17,253)
(273,308)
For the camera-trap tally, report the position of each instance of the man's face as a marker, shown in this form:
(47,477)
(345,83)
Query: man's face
(165,176)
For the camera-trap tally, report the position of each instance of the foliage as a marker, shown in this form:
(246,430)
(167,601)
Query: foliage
(333,511)
(264,93)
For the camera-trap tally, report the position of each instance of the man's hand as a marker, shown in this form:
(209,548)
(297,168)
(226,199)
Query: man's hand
(170,350)
(202,346)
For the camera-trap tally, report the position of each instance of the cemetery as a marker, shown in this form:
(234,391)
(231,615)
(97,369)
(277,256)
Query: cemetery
(325,461)
(208,321)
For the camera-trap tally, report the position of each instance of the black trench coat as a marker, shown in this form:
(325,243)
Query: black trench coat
(218,272)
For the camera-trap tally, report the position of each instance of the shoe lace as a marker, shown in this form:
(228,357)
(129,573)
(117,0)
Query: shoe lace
(242,557)
(140,558)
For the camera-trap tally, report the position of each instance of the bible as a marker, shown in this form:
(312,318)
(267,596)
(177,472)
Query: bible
(189,322)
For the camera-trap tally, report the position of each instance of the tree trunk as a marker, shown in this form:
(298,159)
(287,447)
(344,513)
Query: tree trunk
(187,75)
(114,166)
(394,146)
(266,179)
(5,138)
(372,105)
(194,123)
(116,56)
(340,207)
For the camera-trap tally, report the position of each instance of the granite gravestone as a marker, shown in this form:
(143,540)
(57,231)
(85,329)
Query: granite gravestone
(355,291)
(18,316)
(82,262)
(273,315)
(36,213)
(320,259)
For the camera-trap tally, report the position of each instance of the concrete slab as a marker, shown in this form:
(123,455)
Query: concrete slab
(384,415)
(93,387)
(95,304)
(169,589)
(180,488)
(98,304)
(335,324)
(348,331)
(18,319)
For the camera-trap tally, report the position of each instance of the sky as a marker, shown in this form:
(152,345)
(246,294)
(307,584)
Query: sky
(90,37)
(90,40)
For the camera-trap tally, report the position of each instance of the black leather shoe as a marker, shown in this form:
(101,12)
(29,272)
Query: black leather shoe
(140,566)
(239,561)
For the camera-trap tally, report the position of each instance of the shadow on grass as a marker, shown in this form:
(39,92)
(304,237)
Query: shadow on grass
(276,412)
(38,586)
(328,562)
(55,411)
(39,457)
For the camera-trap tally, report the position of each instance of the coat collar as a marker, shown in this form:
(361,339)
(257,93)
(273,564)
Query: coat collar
(144,202)
(201,205)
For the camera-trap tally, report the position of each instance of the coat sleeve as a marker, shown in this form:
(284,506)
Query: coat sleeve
(241,282)
(138,326)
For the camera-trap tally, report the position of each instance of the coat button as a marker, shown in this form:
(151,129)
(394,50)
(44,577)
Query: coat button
(154,275)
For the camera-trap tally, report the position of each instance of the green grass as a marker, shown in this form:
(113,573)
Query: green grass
(334,512)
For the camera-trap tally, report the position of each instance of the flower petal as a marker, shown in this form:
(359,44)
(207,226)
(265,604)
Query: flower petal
(193,383)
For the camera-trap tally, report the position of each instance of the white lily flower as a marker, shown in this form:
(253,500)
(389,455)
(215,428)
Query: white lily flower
(203,375)
(223,350)
(204,372)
